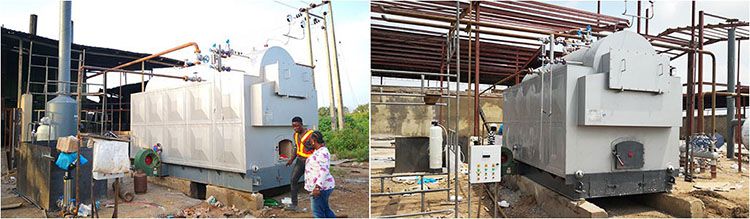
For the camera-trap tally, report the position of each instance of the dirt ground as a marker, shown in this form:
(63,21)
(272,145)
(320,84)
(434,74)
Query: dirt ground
(382,162)
(348,199)
(731,199)
(157,202)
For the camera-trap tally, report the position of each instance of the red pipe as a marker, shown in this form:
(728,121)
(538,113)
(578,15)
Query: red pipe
(701,106)
(647,21)
(517,69)
(442,71)
(639,16)
(598,11)
(476,73)
(690,111)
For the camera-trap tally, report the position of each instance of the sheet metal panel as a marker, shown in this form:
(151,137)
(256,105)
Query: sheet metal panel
(635,71)
(600,106)
(199,124)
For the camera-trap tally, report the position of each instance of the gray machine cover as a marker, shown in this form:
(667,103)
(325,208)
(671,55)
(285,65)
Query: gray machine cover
(618,111)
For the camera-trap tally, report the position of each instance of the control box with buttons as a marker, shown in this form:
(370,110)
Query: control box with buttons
(485,164)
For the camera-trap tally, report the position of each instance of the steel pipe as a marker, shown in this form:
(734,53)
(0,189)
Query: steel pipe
(407,104)
(416,214)
(66,35)
(470,22)
(410,72)
(408,192)
(32,24)
(106,70)
(186,45)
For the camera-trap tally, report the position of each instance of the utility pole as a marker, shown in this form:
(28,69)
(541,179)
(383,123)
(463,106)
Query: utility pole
(337,90)
(330,78)
(309,38)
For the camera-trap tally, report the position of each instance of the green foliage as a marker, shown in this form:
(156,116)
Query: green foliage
(353,140)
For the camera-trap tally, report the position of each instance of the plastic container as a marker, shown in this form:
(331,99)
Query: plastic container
(436,145)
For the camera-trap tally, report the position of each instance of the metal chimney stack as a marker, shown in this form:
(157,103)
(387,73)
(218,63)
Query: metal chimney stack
(62,109)
(63,65)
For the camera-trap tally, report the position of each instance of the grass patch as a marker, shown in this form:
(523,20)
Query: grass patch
(352,142)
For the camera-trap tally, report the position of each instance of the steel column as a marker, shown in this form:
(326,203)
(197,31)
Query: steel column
(731,83)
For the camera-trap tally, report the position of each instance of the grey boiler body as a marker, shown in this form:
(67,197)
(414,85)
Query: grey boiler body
(605,124)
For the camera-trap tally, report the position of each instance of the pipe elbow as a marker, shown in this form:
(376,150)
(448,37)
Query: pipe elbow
(197,48)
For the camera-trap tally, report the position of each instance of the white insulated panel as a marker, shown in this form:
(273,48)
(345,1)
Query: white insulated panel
(229,136)
(199,144)
(137,114)
(155,108)
(199,104)
(153,133)
(176,100)
(175,136)
(200,124)
(228,99)
(137,138)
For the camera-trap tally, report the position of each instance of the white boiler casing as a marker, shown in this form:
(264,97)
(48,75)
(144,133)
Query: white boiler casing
(232,122)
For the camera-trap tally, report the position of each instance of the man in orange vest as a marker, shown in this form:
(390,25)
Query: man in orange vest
(303,149)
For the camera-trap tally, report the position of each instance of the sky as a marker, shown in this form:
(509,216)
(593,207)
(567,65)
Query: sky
(152,26)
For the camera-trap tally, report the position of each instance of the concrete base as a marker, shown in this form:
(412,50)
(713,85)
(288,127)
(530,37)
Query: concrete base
(178,184)
(240,199)
(687,206)
(229,197)
(556,204)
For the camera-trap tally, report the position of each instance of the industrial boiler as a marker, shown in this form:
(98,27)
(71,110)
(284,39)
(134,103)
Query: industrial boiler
(602,121)
(233,128)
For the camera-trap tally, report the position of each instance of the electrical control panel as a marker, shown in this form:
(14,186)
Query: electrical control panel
(485,164)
